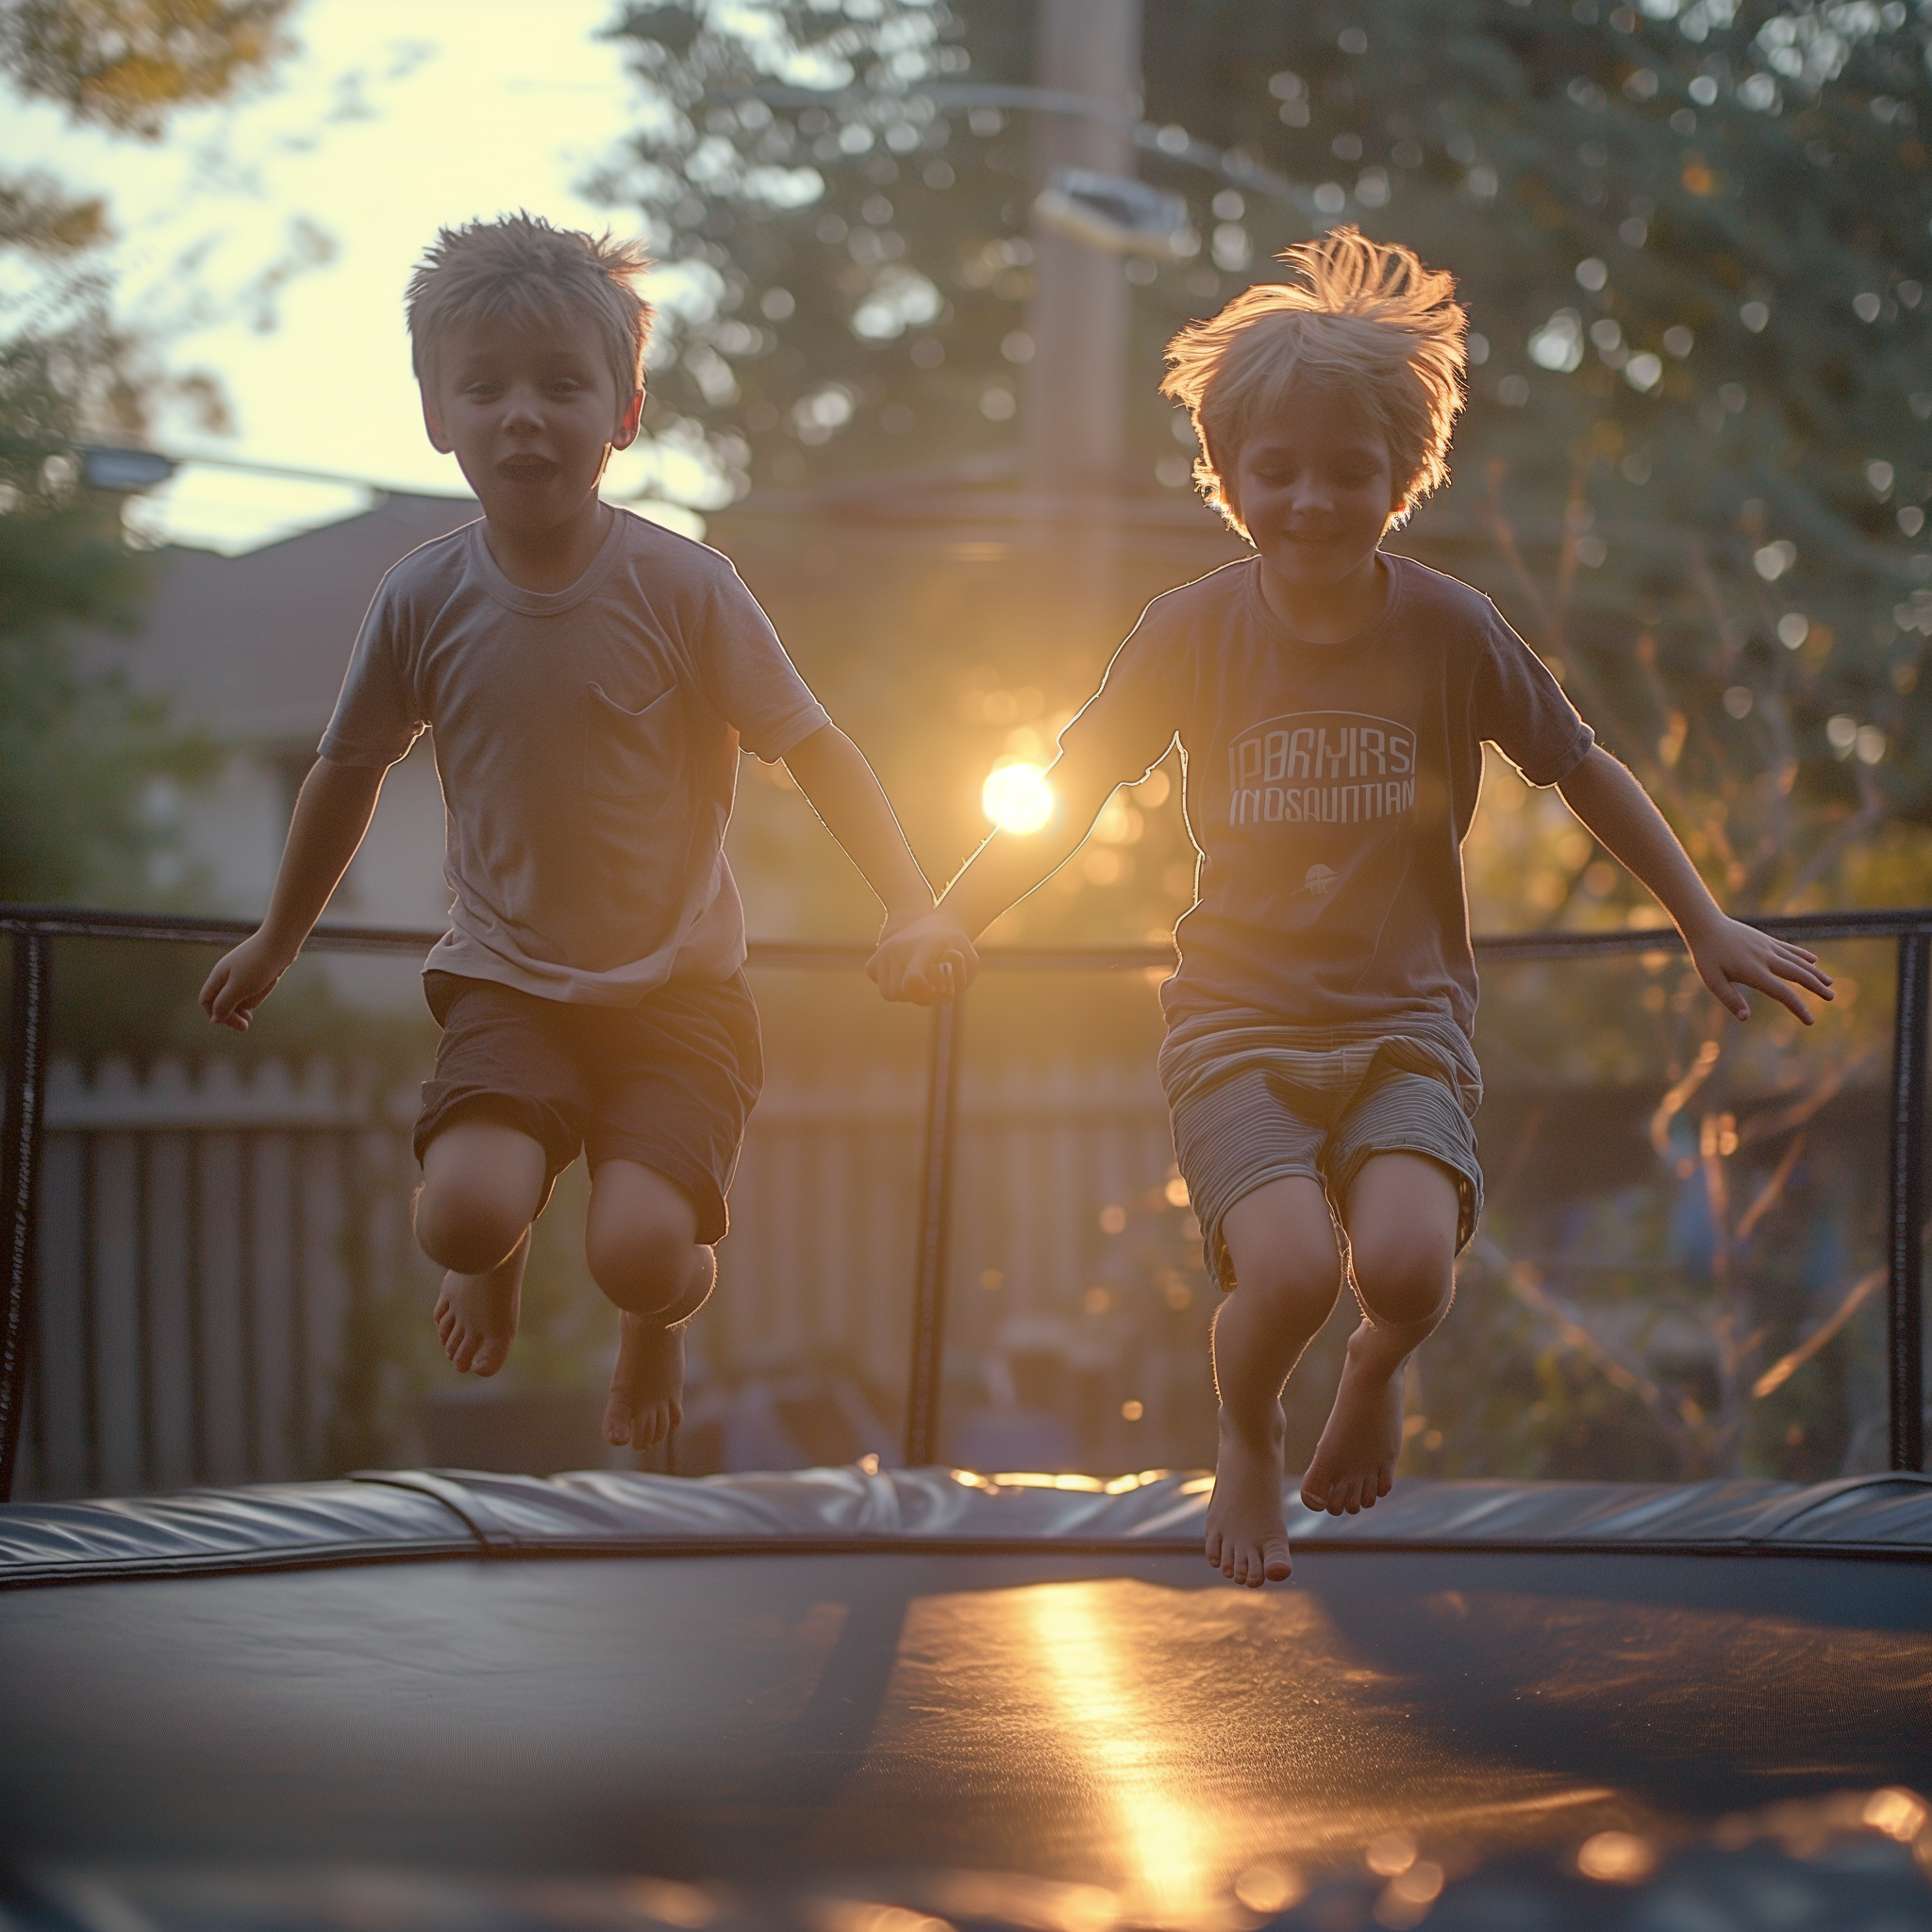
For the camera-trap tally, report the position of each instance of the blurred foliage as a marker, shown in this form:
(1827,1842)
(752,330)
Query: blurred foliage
(79,753)
(1692,239)
(38,215)
(81,756)
(837,273)
(1680,1271)
(1694,470)
(127,64)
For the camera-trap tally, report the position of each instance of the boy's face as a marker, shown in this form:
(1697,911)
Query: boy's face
(1316,489)
(531,416)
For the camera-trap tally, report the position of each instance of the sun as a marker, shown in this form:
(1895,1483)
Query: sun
(1017,796)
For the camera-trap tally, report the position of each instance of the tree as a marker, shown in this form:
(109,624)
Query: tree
(1694,470)
(127,64)
(839,274)
(1692,238)
(78,750)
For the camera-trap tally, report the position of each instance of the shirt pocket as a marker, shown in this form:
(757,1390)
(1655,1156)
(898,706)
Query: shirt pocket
(630,754)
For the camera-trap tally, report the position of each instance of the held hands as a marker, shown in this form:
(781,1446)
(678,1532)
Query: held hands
(1730,956)
(241,980)
(911,953)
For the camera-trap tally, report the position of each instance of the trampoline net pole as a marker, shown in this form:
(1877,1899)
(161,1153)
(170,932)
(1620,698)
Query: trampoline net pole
(27,1099)
(1904,1314)
(935,1219)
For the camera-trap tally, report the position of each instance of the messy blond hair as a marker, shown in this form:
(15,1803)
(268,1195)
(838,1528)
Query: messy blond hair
(520,268)
(1365,319)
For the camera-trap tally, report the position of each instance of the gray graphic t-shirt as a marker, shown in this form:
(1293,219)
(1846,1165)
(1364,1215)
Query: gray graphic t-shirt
(1328,788)
(586,741)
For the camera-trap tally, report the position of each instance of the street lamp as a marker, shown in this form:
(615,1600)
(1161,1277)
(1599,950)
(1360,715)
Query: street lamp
(123,472)
(1115,214)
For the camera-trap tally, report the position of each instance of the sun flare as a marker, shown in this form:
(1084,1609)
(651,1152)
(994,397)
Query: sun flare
(1017,797)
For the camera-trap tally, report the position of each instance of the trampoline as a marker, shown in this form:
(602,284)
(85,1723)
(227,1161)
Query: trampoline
(855,1702)
(843,1700)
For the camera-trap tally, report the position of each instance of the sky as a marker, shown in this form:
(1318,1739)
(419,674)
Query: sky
(393,118)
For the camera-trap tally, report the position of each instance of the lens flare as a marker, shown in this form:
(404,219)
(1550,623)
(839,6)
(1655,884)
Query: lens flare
(1017,797)
(1616,1857)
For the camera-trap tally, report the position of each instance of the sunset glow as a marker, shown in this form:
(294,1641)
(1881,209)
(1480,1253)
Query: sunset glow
(1017,797)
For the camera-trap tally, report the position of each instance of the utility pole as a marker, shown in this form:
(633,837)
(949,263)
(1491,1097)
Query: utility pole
(1078,317)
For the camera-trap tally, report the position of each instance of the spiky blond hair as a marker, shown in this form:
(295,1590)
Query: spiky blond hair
(520,268)
(1364,319)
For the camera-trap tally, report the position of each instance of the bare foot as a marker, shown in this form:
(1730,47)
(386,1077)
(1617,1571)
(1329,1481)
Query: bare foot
(1247,1533)
(1355,1460)
(647,1386)
(476,1314)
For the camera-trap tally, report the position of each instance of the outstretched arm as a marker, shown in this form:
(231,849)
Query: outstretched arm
(845,792)
(1730,956)
(1003,870)
(332,813)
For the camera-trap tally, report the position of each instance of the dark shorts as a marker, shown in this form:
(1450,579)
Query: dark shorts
(667,1083)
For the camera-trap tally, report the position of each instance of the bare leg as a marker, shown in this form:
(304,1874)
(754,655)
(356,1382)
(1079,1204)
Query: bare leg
(1288,1275)
(641,1243)
(1402,1214)
(482,1187)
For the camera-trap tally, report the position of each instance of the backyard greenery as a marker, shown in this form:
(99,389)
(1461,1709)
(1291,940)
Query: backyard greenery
(1695,470)
(79,754)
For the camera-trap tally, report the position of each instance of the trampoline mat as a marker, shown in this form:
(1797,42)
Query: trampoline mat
(868,1725)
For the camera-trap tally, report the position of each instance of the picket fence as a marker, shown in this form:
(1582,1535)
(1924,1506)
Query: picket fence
(219,1250)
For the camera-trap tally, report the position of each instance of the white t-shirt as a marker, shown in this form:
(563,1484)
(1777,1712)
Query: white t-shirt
(586,741)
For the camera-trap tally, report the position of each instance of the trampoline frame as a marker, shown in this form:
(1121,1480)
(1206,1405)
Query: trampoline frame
(33,930)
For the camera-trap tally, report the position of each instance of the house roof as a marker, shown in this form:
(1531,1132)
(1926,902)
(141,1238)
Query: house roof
(254,647)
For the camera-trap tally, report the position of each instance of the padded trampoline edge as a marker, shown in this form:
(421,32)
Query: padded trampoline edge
(422,1515)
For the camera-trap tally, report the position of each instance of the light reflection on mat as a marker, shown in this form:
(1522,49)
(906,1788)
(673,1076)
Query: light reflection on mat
(1176,1852)
(1165,1743)
(1855,1861)
(1122,1722)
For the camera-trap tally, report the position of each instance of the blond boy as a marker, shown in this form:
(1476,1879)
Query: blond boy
(1331,703)
(589,679)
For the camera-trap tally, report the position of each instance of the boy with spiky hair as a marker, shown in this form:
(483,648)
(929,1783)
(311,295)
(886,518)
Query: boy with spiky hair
(589,679)
(1331,703)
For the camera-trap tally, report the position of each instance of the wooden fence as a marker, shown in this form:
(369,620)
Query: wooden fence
(220,1255)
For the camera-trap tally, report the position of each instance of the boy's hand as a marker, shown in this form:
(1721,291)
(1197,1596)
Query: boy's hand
(899,917)
(332,811)
(241,980)
(907,965)
(1730,956)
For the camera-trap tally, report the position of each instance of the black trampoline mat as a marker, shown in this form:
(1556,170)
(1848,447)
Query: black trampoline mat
(1120,1720)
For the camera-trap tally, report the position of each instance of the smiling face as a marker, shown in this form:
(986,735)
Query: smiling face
(531,415)
(1316,488)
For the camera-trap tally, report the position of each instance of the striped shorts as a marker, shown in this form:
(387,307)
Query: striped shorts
(1314,1114)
